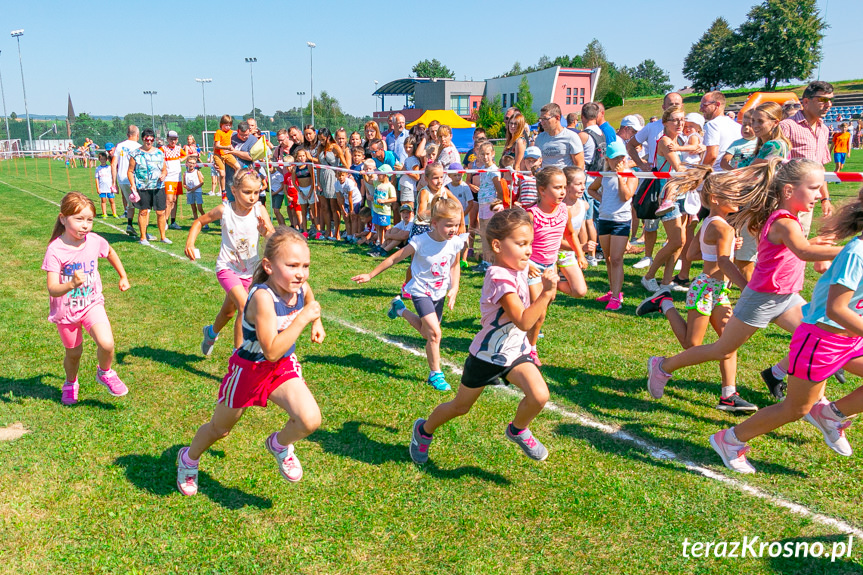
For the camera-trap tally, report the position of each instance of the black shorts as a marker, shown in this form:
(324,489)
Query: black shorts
(478,373)
(427,306)
(151,200)
(612,228)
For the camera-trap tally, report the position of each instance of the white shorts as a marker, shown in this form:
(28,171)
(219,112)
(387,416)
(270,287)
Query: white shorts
(305,195)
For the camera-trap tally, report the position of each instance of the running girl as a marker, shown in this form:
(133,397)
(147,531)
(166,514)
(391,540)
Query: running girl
(770,197)
(579,216)
(707,300)
(551,224)
(279,307)
(829,338)
(75,290)
(500,349)
(242,222)
(435,275)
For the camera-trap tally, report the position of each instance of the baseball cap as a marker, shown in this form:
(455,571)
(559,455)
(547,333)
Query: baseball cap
(109,146)
(695,118)
(405,208)
(385,168)
(533,152)
(455,166)
(615,149)
(173,134)
(631,121)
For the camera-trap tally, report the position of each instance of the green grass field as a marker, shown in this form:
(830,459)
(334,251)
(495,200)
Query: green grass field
(91,488)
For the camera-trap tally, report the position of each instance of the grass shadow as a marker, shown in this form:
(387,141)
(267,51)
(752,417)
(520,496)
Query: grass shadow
(173,358)
(810,565)
(351,441)
(156,475)
(361,362)
(365,292)
(35,388)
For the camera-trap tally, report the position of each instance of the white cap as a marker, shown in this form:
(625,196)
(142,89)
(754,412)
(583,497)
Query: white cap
(631,121)
(695,118)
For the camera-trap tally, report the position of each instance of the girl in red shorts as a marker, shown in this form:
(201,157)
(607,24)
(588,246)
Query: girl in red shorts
(280,306)
(829,338)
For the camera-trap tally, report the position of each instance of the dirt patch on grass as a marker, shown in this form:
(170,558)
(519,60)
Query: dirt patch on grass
(12,432)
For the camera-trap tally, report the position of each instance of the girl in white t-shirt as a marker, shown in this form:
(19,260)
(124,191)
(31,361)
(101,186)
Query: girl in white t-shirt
(434,276)
(501,349)
(243,221)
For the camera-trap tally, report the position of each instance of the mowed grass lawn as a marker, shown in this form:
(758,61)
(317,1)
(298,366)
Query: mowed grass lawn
(91,488)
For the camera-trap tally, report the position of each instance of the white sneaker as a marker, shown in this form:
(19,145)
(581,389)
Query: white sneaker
(650,285)
(591,261)
(643,263)
(167,241)
(144,243)
(733,456)
(187,477)
(289,463)
(830,426)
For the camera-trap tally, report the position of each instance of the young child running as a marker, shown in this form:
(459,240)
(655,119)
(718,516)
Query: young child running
(770,197)
(551,224)
(614,194)
(279,307)
(829,338)
(579,212)
(105,185)
(242,223)
(500,349)
(707,300)
(75,290)
(435,275)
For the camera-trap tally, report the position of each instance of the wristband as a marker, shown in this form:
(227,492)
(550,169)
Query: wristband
(825,200)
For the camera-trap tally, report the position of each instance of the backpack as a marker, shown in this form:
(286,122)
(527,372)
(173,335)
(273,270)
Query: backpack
(598,161)
(646,198)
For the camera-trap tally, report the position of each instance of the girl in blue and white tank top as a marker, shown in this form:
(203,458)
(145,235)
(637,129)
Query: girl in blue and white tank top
(279,307)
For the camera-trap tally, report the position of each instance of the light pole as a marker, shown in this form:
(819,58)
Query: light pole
(312,77)
(203,81)
(376,98)
(17,35)
(3,94)
(152,93)
(251,61)
(301,94)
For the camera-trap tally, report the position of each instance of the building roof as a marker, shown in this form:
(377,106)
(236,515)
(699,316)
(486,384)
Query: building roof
(400,87)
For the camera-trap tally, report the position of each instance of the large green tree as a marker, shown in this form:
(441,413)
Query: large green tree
(524,101)
(432,69)
(708,62)
(650,79)
(489,117)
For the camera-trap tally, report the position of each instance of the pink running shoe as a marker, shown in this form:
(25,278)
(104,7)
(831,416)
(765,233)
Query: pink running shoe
(109,379)
(656,378)
(830,426)
(70,393)
(605,297)
(614,304)
(733,456)
(535,358)
(665,207)
(289,463)
(187,476)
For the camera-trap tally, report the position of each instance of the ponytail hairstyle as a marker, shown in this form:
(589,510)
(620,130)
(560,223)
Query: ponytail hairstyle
(283,235)
(71,204)
(773,111)
(543,177)
(570,172)
(502,224)
(243,174)
(847,222)
(444,207)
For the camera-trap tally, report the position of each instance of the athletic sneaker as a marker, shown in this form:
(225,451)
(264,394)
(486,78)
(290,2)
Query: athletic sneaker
(166,241)
(643,263)
(150,237)
(130,230)
(289,463)
(733,456)
(205,228)
(187,477)
(144,242)
(528,443)
(840,376)
(463,265)
(396,305)
(664,207)
(735,403)
(419,447)
(534,357)
(175,226)
(208,342)
(70,393)
(614,303)
(656,378)
(831,427)
(591,261)
(653,303)
(674,286)
(103,217)
(605,297)
(650,285)
(109,379)
(438,381)
(775,385)
(681,282)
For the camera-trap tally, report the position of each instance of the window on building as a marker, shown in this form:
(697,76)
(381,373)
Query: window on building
(475,105)
(504,100)
(569,92)
(582,92)
(568,100)
(581,100)
(460,104)
(512,99)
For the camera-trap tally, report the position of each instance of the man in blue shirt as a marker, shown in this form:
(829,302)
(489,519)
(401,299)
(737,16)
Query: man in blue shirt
(241,142)
(381,156)
(397,136)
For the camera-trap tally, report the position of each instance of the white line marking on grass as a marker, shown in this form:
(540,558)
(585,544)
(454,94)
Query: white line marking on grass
(610,430)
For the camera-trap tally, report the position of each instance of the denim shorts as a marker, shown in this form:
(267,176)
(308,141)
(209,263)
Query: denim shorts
(612,228)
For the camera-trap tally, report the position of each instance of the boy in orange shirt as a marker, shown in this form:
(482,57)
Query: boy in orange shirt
(221,146)
(841,146)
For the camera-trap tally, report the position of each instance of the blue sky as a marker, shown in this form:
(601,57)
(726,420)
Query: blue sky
(107,54)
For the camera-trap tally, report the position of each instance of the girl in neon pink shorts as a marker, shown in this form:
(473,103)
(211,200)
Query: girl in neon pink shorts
(830,338)
(243,221)
(75,290)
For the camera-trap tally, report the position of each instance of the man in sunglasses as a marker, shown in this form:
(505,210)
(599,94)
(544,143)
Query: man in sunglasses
(809,137)
(241,147)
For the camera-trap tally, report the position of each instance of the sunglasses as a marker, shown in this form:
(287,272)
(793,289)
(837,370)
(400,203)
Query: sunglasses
(825,99)
(149,139)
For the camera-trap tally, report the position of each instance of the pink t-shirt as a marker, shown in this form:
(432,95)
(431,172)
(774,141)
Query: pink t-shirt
(66,260)
(499,341)
(547,233)
(777,269)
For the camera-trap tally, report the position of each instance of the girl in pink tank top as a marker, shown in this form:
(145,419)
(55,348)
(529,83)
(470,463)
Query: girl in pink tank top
(550,218)
(770,195)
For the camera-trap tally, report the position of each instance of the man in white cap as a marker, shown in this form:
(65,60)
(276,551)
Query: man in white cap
(174,156)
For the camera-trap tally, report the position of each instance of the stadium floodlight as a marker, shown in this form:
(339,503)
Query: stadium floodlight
(250,62)
(17,35)
(152,93)
(301,94)
(312,46)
